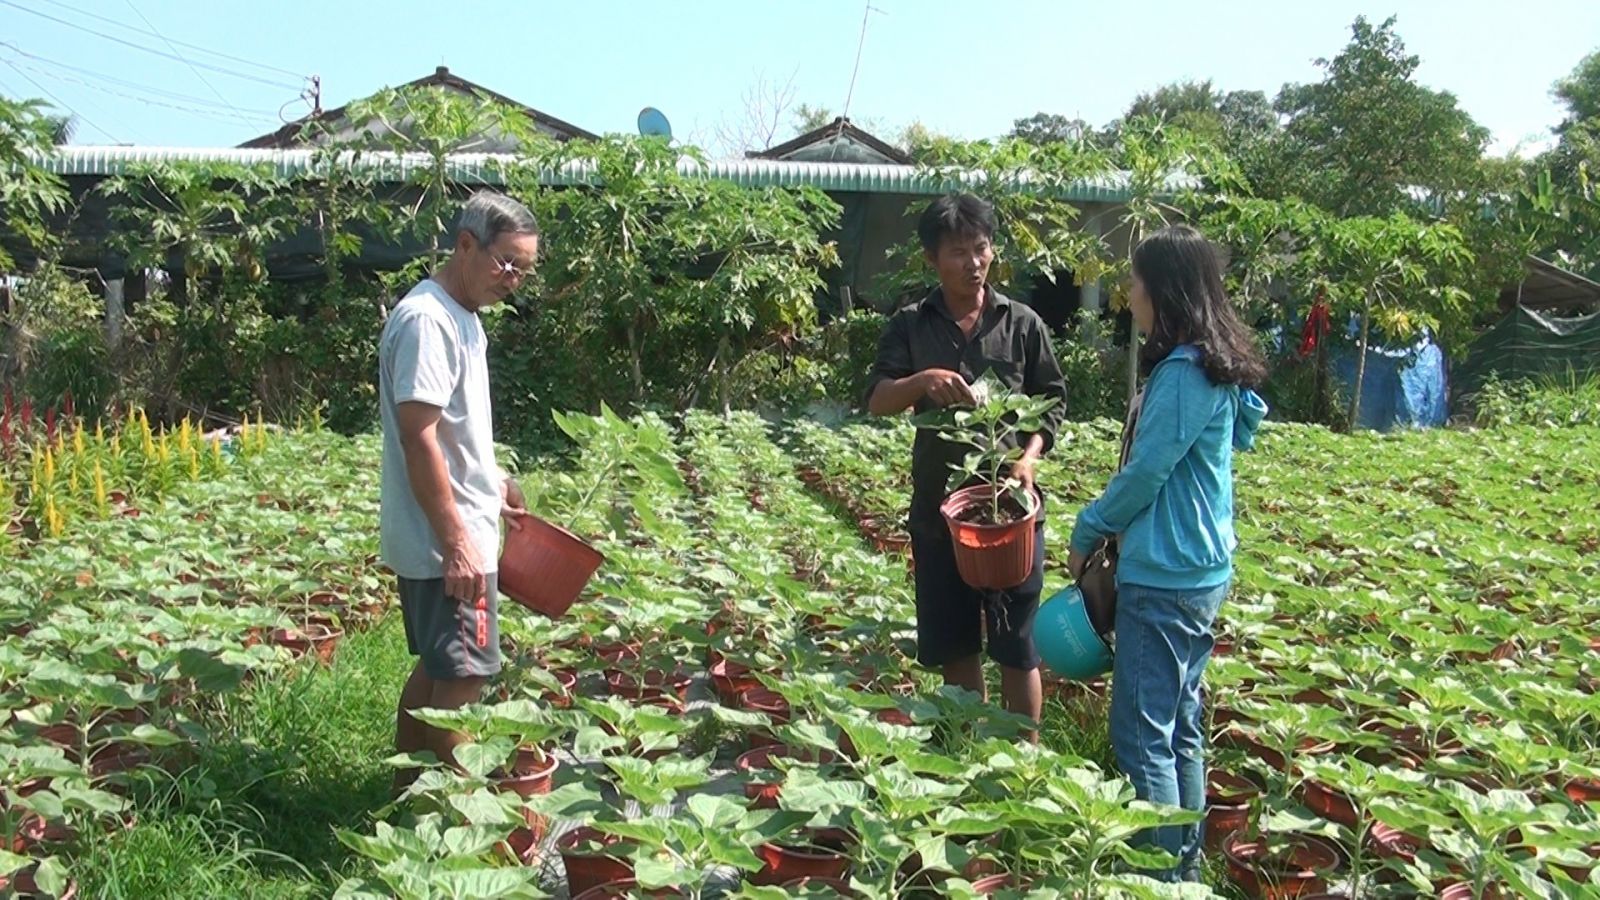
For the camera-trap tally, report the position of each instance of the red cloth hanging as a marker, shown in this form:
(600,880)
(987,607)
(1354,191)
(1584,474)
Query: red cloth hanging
(1316,327)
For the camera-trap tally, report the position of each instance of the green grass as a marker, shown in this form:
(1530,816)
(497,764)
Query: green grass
(291,760)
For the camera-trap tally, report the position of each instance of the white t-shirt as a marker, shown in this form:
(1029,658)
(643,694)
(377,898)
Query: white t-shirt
(434,351)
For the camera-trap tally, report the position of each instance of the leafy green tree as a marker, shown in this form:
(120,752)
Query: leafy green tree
(1361,140)
(28,194)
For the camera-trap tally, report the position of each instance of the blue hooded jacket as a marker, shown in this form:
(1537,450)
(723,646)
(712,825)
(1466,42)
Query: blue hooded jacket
(1172,502)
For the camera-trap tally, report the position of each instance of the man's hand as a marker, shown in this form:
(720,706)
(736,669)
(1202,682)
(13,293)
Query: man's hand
(513,506)
(1023,471)
(947,388)
(464,580)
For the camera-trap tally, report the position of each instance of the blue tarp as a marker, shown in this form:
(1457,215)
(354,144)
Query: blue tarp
(1408,387)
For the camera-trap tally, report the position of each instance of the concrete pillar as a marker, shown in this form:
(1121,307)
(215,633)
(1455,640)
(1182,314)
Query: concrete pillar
(113,321)
(1091,289)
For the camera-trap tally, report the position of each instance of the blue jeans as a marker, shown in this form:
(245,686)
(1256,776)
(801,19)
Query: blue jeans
(1163,642)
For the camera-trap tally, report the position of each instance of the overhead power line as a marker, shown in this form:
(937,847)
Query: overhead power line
(197,47)
(129,85)
(168,42)
(62,103)
(213,112)
(151,50)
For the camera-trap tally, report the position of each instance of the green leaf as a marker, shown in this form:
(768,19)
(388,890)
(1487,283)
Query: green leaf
(480,759)
(472,840)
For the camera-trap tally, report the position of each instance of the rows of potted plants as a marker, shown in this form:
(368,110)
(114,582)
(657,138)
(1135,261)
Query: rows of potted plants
(1412,631)
(823,756)
(118,634)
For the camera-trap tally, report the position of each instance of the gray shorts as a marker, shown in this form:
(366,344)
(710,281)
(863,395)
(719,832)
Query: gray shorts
(448,635)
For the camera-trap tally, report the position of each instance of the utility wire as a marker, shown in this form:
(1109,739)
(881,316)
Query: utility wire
(62,103)
(175,52)
(211,113)
(151,50)
(217,53)
(125,83)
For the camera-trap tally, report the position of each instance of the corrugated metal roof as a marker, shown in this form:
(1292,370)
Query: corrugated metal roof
(486,168)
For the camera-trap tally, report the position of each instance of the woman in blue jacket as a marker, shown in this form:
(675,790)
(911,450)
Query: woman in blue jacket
(1170,511)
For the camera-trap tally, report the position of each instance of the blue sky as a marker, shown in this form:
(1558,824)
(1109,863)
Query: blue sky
(964,68)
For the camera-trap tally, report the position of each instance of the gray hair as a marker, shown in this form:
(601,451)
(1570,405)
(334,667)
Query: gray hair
(488,214)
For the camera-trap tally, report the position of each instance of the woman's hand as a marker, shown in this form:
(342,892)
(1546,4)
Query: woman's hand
(1076,563)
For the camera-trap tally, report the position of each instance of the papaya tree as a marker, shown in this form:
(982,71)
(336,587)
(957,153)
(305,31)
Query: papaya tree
(28,193)
(1038,230)
(1402,274)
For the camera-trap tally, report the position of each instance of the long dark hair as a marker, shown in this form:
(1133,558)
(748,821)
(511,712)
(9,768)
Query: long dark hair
(1183,276)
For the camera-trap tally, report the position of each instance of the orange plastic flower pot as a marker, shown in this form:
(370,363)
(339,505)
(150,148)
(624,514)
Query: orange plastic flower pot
(545,567)
(990,557)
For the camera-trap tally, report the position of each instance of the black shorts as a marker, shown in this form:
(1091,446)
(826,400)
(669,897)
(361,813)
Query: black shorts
(952,617)
(444,632)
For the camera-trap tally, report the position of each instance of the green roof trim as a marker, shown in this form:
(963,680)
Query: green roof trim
(485,168)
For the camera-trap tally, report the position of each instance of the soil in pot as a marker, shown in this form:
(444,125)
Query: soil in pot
(822,853)
(1010,511)
(1296,865)
(592,858)
(990,556)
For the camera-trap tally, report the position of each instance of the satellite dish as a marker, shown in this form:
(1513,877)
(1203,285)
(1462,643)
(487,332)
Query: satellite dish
(653,124)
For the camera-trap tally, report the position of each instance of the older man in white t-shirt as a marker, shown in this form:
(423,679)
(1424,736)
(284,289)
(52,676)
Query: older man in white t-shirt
(443,493)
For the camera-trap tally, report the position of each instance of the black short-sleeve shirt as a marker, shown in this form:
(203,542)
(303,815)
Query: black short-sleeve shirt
(1010,341)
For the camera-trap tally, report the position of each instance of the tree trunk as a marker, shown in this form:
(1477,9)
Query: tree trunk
(636,363)
(1319,383)
(724,375)
(1361,363)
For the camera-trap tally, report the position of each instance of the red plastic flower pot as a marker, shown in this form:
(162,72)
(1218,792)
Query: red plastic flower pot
(1584,790)
(530,780)
(730,680)
(1331,804)
(592,867)
(651,683)
(1392,843)
(994,884)
(763,789)
(762,700)
(1301,868)
(819,854)
(623,889)
(545,567)
(817,886)
(522,846)
(1229,806)
(989,557)
(22,884)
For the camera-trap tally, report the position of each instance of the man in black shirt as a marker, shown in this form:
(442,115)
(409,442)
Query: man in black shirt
(928,357)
